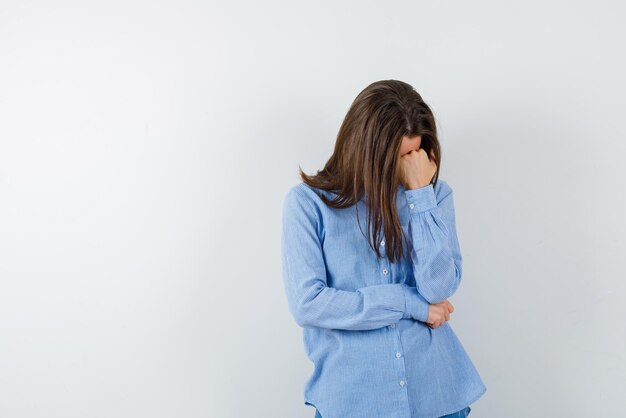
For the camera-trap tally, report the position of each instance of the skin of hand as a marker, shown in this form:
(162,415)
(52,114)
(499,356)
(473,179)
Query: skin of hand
(438,313)
(417,170)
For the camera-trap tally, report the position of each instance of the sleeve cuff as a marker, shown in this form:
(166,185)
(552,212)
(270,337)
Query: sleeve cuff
(421,199)
(416,307)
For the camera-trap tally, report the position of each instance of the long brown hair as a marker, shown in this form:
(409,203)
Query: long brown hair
(365,160)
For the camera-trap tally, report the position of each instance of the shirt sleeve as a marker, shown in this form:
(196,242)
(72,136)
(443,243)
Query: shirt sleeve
(435,253)
(312,302)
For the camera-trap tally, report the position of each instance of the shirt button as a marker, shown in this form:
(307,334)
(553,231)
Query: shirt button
(385,271)
(392,325)
(411,205)
(402,382)
(382,243)
(398,355)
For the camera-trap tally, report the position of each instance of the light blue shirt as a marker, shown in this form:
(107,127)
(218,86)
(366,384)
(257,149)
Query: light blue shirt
(363,317)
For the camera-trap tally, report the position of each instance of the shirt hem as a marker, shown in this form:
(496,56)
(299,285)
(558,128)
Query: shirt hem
(457,408)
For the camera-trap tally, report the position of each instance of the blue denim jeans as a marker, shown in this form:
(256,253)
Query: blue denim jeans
(458,414)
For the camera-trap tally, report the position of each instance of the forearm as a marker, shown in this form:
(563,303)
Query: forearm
(435,253)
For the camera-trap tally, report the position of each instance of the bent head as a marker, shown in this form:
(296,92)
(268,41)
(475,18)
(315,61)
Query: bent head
(386,120)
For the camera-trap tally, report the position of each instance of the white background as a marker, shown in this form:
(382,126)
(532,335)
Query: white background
(146,147)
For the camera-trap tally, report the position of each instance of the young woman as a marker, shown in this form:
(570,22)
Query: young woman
(372,296)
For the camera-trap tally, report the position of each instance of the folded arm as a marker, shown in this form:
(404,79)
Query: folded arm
(312,302)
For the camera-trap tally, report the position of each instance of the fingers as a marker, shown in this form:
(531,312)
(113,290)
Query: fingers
(433,325)
(450,307)
(429,154)
(449,310)
(446,308)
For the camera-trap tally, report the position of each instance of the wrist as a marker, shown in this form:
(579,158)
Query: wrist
(421,199)
(416,306)
(415,186)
